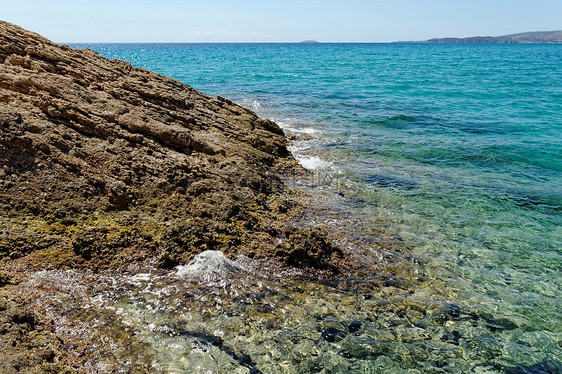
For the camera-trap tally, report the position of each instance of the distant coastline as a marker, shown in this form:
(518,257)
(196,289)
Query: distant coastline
(520,38)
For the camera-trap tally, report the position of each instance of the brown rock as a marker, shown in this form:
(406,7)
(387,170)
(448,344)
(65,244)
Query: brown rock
(26,347)
(305,246)
(102,164)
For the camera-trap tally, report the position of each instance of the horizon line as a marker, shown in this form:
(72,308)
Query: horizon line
(307,43)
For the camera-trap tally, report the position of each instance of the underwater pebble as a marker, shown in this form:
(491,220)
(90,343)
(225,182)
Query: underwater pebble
(332,335)
(354,326)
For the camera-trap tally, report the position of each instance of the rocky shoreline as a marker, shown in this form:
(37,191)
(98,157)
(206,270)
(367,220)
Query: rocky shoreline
(147,227)
(107,167)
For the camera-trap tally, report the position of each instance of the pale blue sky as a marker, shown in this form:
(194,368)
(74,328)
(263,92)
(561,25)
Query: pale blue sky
(278,21)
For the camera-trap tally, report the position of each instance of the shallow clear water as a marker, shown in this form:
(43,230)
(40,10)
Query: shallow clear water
(454,149)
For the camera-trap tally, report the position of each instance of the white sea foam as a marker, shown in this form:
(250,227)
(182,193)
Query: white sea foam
(209,263)
(252,104)
(309,130)
(141,278)
(313,163)
(298,148)
(299,130)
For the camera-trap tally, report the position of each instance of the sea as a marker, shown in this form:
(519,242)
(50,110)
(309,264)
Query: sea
(446,159)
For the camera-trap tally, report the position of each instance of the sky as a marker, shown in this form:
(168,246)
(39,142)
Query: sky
(71,21)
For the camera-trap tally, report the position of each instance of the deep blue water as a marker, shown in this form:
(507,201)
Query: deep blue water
(455,148)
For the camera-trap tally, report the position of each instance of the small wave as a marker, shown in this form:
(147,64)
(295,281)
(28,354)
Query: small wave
(209,263)
(251,103)
(398,122)
(313,163)
(298,148)
(255,105)
(305,130)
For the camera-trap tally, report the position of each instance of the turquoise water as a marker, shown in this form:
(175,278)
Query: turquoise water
(456,149)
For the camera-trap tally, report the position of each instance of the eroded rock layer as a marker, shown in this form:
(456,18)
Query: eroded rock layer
(103,164)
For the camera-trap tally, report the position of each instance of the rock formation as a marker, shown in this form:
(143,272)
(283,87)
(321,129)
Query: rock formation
(103,164)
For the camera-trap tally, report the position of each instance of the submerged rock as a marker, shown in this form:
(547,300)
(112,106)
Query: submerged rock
(309,247)
(354,326)
(333,335)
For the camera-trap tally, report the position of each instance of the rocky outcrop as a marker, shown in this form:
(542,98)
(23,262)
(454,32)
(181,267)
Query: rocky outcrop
(103,164)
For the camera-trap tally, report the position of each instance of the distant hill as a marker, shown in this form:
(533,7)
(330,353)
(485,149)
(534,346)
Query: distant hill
(525,37)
